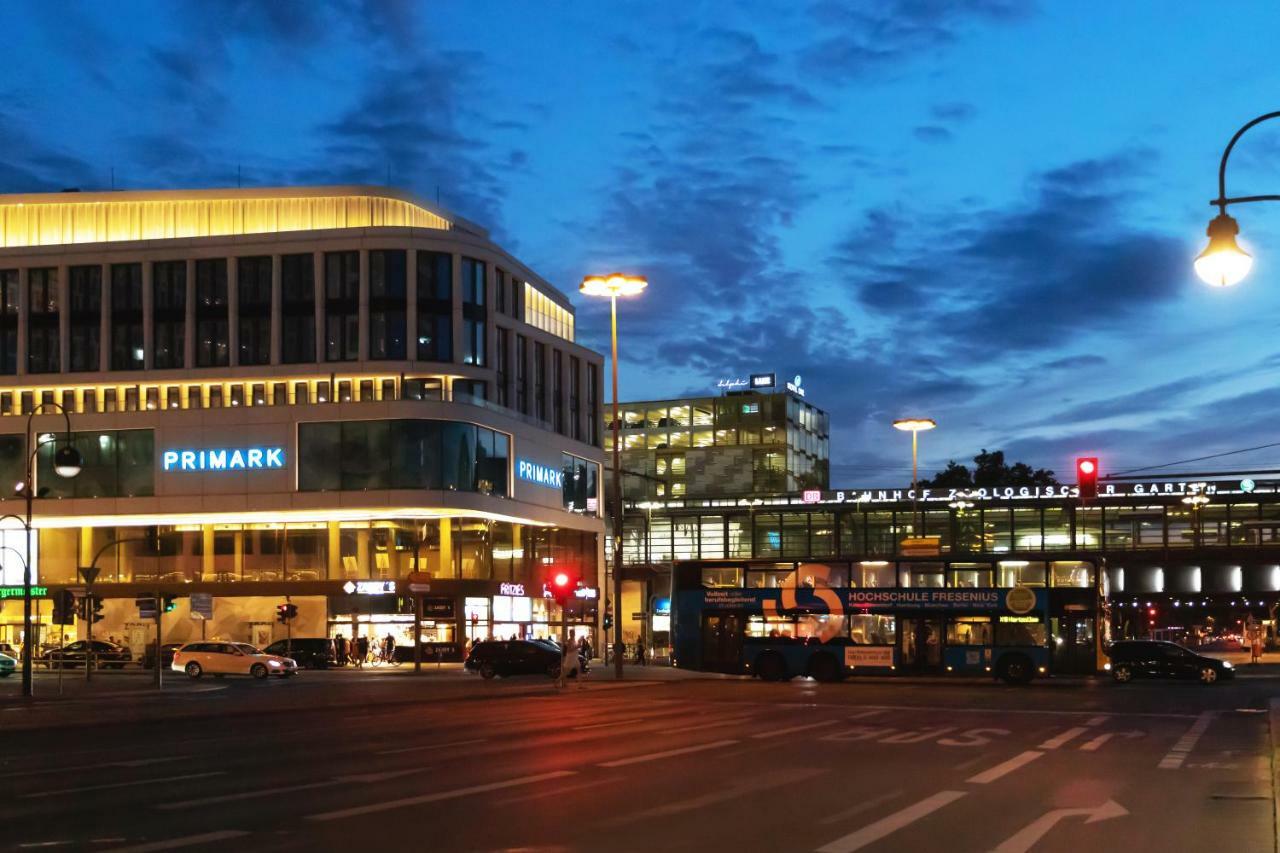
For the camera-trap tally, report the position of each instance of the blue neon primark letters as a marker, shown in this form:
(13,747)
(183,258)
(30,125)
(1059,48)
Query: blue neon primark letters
(543,475)
(223,459)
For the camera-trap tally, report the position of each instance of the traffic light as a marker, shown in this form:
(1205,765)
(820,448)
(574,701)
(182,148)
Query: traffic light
(64,607)
(282,613)
(563,585)
(170,603)
(608,621)
(92,611)
(291,611)
(1087,476)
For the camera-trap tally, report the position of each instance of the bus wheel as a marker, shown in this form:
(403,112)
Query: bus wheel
(824,668)
(1016,669)
(771,667)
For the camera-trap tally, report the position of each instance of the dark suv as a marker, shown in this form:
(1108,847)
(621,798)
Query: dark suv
(1132,659)
(309,652)
(516,657)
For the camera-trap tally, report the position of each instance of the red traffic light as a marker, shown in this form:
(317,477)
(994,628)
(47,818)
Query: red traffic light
(1151,611)
(1087,476)
(561,580)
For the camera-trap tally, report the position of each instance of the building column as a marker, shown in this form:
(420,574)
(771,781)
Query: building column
(233,314)
(318,282)
(238,554)
(446,548)
(411,305)
(207,565)
(189,319)
(455,291)
(24,312)
(335,552)
(364,564)
(148,313)
(362,312)
(277,309)
(104,330)
(64,320)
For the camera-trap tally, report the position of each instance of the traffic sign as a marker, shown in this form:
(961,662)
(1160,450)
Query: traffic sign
(146,606)
(89,573)
(418,581)
(202,605)
(639,615)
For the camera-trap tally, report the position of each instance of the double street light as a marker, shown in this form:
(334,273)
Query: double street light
(615,285)
(1223,263)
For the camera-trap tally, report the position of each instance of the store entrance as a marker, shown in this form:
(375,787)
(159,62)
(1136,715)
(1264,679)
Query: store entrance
(920,644)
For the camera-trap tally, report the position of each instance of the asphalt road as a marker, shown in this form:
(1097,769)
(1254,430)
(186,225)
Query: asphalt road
(349,762)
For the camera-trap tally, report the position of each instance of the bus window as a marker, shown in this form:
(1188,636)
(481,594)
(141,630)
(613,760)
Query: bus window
(970,574)
(717,577)
(1070,573)
(780,627)
(872,629)
(921,574)
(810,575)
(1021,573)
(969,631)
(874,573)
(1021,631)
(774,578)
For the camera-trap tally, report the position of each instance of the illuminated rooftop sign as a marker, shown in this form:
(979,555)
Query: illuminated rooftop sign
(223,459)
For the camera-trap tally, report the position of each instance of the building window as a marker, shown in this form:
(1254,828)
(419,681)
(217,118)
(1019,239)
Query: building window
(213,340)
(473,312)
(42,321)
(297,309)
(8,323)
(522,375)
(435,306)
(575,416)
(342,306)
(253,303)
(116,464)
(126,317)
(580,483)
(85,286)
(500,290)
(502,342)
(557,390)
(593,406)
(540,380)
(387,309)
(169,314)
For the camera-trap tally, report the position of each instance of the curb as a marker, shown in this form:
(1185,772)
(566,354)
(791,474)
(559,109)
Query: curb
(1273,718)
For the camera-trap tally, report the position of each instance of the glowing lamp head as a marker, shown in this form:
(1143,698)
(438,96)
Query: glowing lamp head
(561,580)
(613,284)
(67,461)
(1088,466)
(914,424)
(1223,263)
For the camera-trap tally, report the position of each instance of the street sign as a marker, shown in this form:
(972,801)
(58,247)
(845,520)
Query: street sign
(202,605)
(639,615)
(89,573)
(146,606)
(418,581)
(921,546)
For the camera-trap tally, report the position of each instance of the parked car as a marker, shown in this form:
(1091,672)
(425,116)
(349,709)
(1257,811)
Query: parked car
(516,657)
(218,658)
(106,655)
(7,665)
(10,650)
(166,654)
(309,652)
(1132,659)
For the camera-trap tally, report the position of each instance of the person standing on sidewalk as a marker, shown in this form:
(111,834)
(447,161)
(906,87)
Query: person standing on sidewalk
(340,650)
(361,650)
(640,651)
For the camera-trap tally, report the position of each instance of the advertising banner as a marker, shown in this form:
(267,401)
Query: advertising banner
(855,656)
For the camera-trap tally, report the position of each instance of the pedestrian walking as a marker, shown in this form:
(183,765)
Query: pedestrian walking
(340,649)
(389,648)
(569,667)
(362,651)
(640,652)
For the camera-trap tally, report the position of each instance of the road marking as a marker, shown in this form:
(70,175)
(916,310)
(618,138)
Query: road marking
(561,789)
(133,784)
(430,746)
(1094,744)
(1173,760)
(1019,760)
(246,795)
(439,796)
(186,841)
(606,725)
(1055,742)
(864,806)
(717,724)
(384,776)
(141,762)
(870,712)
(794,729)
(667,753)
(960,709)
(1096,721)
(892,823)
(1026,838)
(729,792)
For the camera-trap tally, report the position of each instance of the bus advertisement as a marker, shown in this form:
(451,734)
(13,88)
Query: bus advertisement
(810,619)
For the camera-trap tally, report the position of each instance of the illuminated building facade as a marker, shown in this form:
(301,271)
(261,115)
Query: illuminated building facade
(305,392)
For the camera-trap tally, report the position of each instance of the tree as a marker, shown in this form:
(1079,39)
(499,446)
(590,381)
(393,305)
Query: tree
(990,471)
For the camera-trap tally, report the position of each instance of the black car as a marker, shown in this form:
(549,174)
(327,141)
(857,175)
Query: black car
(515,657)
(106,655)
(166,655)
(309,652)
(1132,659)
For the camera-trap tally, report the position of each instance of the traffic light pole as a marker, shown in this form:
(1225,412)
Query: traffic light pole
(159,659)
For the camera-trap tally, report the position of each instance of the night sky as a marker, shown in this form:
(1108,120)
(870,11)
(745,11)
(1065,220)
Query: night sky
(974,210)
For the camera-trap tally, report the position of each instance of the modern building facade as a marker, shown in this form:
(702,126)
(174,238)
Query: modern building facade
(755,438)
(302,394)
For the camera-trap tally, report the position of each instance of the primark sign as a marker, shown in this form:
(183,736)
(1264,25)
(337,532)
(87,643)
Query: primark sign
(222,459)
(542,475)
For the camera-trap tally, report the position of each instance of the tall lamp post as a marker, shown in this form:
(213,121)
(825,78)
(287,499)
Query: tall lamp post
(66,463)
(915,426)
(1223,263)
(615,285)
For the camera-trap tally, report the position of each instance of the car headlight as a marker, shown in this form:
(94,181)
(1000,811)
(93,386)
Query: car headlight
(1107,666)
(1226,664)
(274,663)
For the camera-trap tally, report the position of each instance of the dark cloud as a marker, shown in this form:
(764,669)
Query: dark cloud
(932,133)
(1074,362)
(35,164)
(953,111)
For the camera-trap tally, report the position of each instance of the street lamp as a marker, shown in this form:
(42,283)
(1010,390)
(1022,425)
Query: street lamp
(615,285)
(915,426)
(66,463)
(1223,263)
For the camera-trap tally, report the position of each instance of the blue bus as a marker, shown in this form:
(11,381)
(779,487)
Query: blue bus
(1010,619)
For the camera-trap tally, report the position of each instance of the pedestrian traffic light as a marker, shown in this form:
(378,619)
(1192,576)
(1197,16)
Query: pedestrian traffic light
(170,603)
(64,607)
(94,608)
(282,613)
(291,611)
(1087,476)
(608,621)
(563,584)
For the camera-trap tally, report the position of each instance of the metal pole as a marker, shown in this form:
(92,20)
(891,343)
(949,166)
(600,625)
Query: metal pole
(617,496)
(915,433)
(88,621)
(417,633)
(27,681)
(159,662)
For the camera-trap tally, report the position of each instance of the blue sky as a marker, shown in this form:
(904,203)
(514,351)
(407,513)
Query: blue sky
(983,211)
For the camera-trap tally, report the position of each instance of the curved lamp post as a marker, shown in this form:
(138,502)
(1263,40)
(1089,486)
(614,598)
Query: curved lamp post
(615,285)
(1223,263)
(66,463)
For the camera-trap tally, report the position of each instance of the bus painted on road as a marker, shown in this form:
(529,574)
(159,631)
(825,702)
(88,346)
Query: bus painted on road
(1010,619)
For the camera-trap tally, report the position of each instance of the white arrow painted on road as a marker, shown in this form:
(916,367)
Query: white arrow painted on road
(1026,838)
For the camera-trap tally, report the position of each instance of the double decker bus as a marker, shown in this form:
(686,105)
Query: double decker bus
(1012,619)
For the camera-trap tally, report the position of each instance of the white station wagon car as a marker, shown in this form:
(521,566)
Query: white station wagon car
(219,658)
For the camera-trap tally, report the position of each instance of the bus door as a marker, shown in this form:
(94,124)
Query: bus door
(920,643)
(1077,651)
(722,634)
